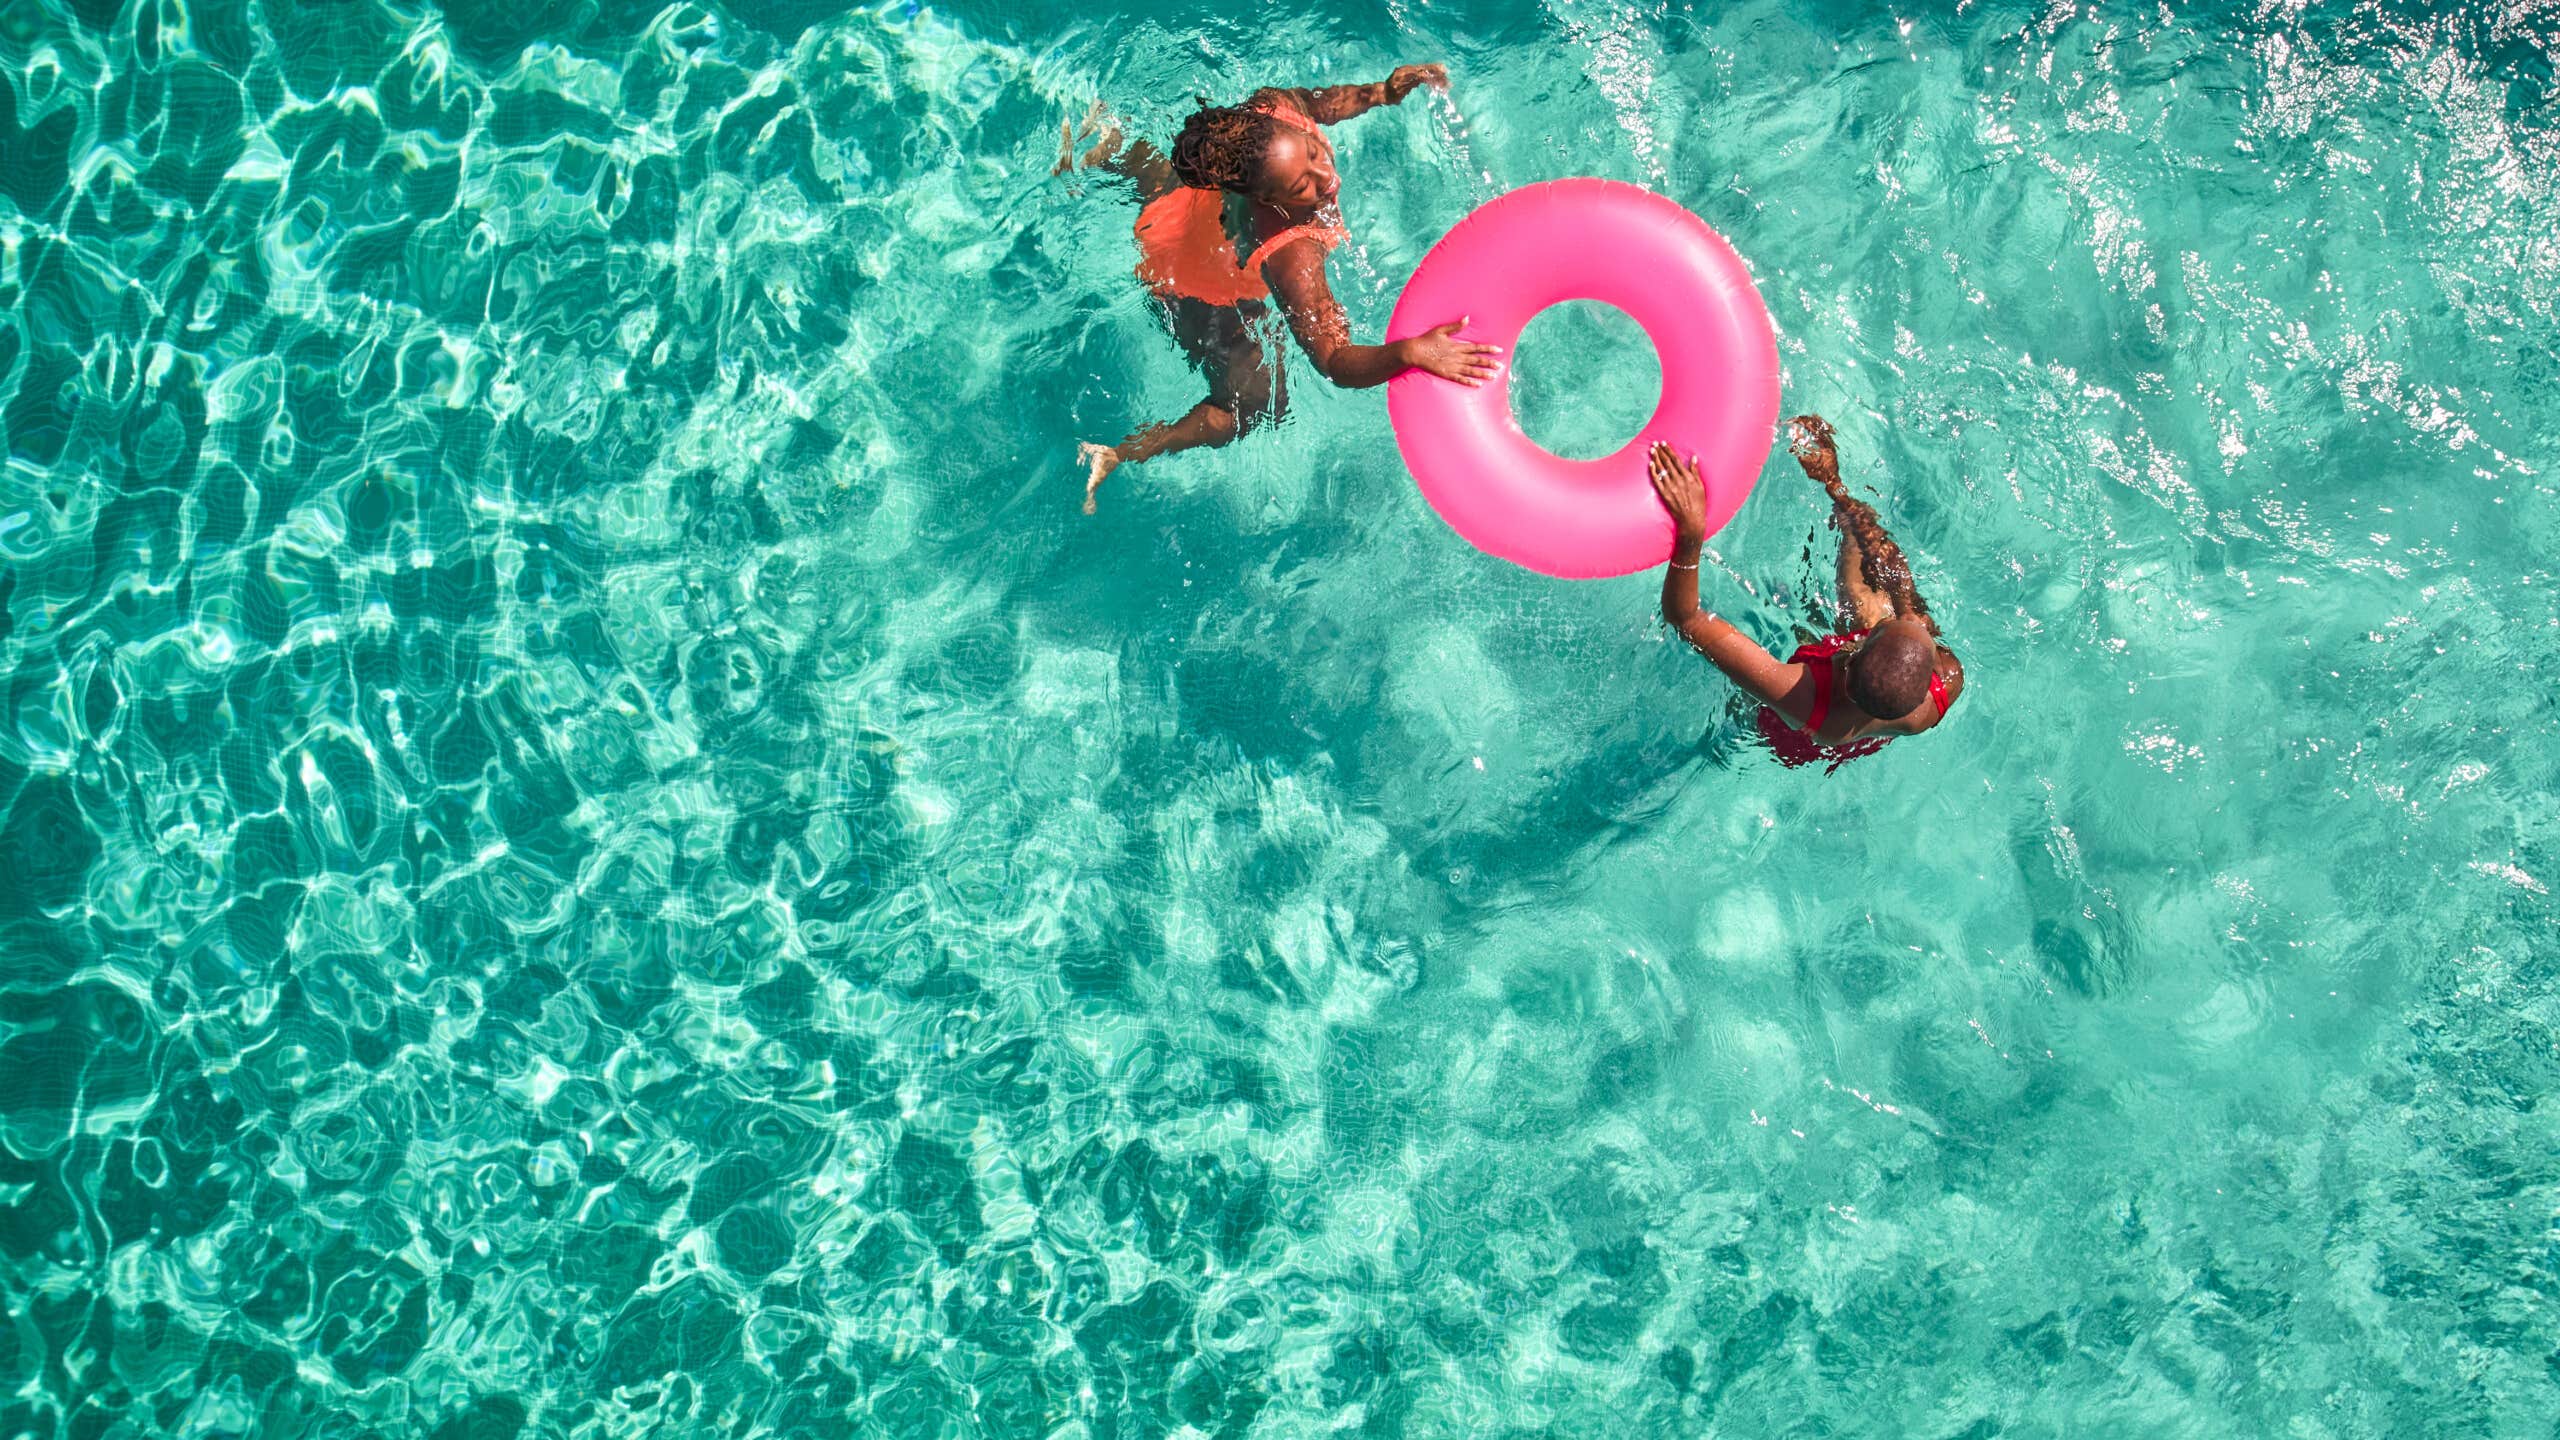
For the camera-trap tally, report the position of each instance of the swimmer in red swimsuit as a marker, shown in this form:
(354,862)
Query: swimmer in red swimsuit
(1241,215)
(1844,695)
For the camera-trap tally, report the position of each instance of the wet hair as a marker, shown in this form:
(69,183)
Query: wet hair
(1890,676)
(1221,147)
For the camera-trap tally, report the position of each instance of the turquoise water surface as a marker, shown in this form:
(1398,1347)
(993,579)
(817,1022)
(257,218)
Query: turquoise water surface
(594,847)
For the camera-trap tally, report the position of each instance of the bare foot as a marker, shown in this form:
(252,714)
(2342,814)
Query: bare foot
(1100,461)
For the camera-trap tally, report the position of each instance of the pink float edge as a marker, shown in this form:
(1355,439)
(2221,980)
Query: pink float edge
(1512,258)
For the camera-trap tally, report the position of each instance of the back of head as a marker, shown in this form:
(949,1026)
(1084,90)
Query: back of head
(1889,677)
(1221,147)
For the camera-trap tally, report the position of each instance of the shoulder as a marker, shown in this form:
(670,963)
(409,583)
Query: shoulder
(1953,669)
(1296,253)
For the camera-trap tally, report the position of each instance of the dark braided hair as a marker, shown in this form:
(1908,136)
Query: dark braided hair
(1221,147)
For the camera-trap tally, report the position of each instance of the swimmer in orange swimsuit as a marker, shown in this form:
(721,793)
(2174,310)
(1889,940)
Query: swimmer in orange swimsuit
(1844,695)
(1255,181)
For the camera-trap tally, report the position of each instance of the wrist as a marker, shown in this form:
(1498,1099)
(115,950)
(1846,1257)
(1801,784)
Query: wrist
(1686,546)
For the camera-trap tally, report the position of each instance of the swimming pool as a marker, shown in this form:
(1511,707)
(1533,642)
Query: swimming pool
(593,846)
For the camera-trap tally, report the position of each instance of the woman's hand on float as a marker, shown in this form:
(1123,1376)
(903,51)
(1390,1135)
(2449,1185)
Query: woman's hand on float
(1409,78)
(1441,352)
(1682,490)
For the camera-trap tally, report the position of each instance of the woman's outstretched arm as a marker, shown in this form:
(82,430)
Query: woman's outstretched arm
(1297,278)
(1742,659)
(1871,565)
(1333,104)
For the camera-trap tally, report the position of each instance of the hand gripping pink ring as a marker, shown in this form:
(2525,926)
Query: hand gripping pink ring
(1585,240)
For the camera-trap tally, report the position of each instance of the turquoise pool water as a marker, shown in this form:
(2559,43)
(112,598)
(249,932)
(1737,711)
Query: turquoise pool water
(594,847)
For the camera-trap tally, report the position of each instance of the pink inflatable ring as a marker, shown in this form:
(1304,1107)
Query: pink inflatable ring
(1585,240)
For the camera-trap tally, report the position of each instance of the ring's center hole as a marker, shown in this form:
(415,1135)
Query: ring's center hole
(1584,379)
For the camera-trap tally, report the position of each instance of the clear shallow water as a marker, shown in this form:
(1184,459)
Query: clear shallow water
(592,845)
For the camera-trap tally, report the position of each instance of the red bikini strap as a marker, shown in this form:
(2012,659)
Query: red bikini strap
(1820,670)
(1938,692)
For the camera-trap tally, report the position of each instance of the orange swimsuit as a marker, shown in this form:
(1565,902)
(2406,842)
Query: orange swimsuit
(1183,247)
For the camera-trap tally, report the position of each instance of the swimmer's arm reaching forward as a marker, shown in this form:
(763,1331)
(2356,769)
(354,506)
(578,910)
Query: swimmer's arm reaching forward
(1296,276)
(1334,104)
(1760,674)
(1874,577)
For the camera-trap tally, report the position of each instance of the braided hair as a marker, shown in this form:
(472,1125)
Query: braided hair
(1221,147)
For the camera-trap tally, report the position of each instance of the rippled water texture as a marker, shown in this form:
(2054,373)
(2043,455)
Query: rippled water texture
(593,847)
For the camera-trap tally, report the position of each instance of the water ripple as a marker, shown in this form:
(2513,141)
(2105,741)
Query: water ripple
(588,843)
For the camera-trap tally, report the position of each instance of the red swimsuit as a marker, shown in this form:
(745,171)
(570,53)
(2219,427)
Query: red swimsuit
(1798,747)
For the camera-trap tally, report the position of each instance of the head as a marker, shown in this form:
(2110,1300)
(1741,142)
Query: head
(1250,152)
(1888,677)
